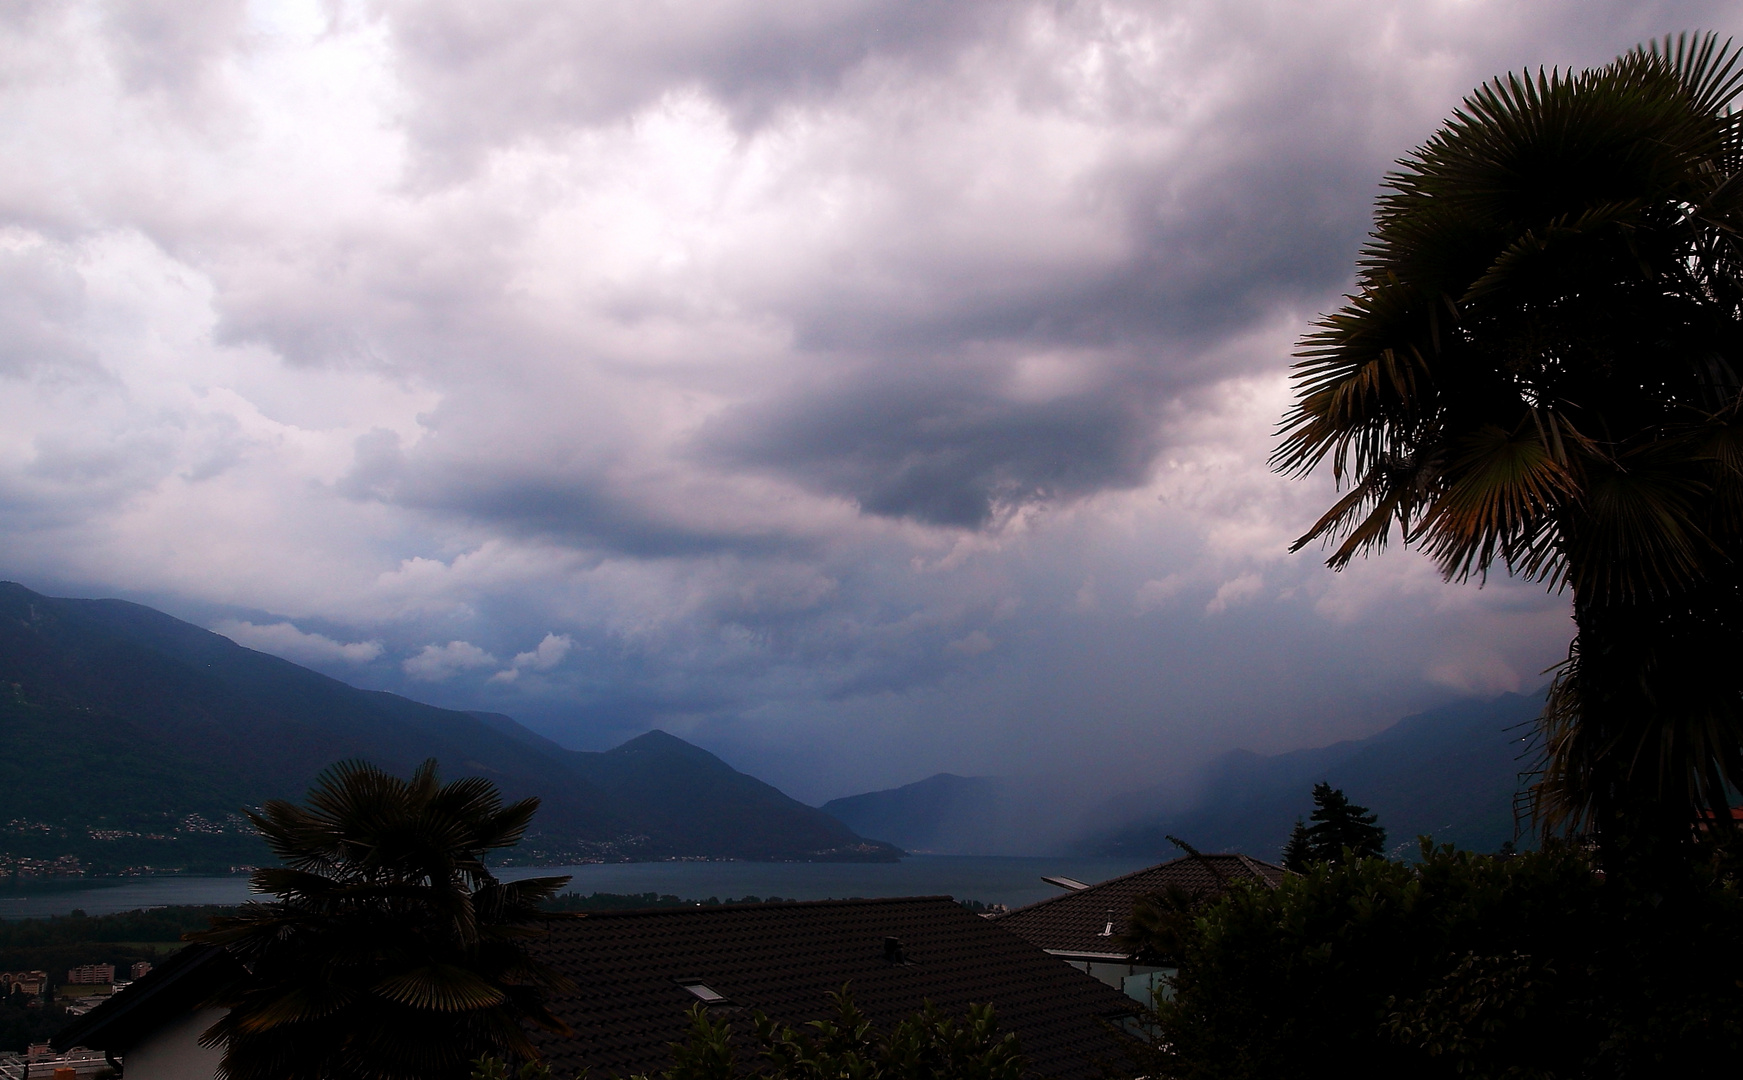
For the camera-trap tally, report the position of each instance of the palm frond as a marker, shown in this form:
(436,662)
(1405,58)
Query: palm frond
(442,987)
(1541,366)
(1506,487)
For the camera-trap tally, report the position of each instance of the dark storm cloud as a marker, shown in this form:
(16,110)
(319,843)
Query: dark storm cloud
(919,428)
(491,74)
(865,388)
(944,453)
(572,510)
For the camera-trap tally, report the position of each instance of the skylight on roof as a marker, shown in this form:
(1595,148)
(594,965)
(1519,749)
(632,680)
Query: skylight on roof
(1066,883)
(702,990)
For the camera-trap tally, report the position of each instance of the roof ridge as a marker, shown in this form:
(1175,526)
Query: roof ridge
(1250,863)
(831,902)
(1097,885)
(1253,868)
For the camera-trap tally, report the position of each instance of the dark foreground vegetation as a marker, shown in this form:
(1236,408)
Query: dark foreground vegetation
(926,1045)
(23,1023)
(1531,965)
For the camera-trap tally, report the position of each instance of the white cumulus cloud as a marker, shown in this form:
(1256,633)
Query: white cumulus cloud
(974,643)
(1156,592)
(1234,591)
(284,639)
(547,655)
(435,663)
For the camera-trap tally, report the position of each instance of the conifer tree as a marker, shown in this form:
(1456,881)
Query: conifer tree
(1338,826)
(1295,853)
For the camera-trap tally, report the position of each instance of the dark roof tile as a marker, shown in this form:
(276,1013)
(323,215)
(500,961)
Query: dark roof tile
(1089,920)
(785,959)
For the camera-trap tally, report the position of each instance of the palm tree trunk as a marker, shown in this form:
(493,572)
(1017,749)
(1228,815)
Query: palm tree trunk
(1644,727)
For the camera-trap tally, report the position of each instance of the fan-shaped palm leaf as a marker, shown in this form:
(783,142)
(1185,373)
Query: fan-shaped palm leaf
(389,950)
(1539,369)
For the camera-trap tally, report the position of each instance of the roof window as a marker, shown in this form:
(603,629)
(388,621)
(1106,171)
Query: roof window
(702,990)
(1066,883)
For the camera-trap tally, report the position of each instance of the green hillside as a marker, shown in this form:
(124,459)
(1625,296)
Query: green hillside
(129,739)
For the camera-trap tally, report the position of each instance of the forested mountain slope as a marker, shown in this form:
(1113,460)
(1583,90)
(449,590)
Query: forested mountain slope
(130,738)
(1450,773)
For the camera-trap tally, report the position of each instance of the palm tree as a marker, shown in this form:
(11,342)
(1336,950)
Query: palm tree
(390,951)
(1539,369)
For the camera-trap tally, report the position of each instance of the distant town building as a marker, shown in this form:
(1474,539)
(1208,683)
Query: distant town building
(154,1025)
(20,866)
(91,974)
(43,1063)
(23,982)
(194,823)
(140,967)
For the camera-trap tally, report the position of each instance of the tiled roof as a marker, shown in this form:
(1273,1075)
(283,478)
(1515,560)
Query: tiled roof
(1081,921)
(784,959)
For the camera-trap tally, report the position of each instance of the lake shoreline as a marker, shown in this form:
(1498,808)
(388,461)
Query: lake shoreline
(16,888)
(1011,880)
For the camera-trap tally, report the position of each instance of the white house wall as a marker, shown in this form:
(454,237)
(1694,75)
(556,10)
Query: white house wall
(173,1051)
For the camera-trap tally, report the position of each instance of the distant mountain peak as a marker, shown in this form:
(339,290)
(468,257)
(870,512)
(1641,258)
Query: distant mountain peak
(1449,772)
(653,737)
(657,742)
(121,718)
(927,815)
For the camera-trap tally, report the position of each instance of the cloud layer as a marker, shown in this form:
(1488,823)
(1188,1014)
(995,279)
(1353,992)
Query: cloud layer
(861,388)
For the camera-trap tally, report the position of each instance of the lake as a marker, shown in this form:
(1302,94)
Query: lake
(990,879)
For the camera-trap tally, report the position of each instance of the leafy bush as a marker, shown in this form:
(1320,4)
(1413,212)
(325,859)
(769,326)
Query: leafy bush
(1530,965)
(925,1046)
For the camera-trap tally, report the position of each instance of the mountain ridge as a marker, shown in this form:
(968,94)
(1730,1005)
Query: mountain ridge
(120,720)
(1450,773)
(924,816)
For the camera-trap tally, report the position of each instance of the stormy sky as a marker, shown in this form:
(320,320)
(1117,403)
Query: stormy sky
(858,389)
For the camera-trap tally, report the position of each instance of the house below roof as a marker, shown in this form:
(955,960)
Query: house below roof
(1083,927)
(154,1025)
(638,973)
